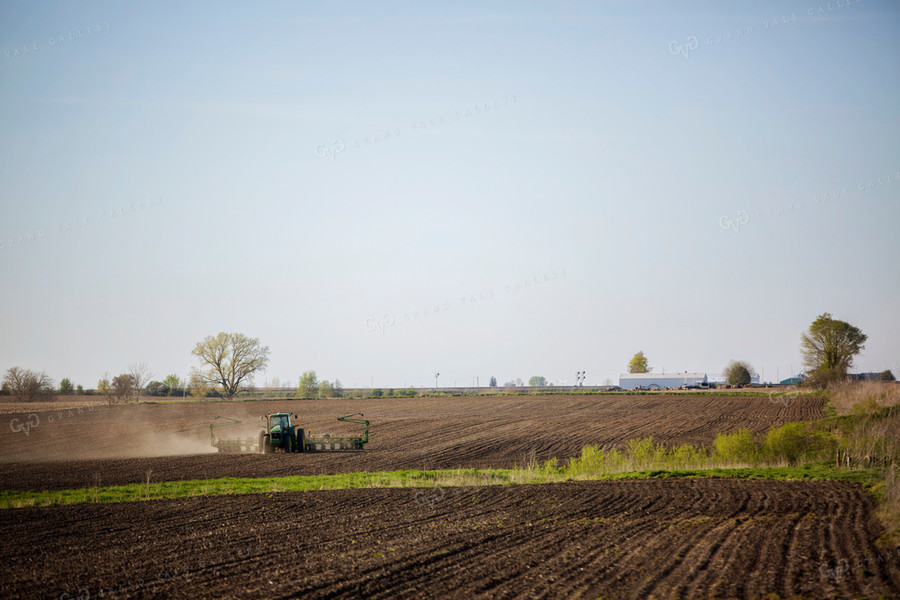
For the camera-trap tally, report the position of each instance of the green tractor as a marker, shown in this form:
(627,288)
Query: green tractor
(279,433)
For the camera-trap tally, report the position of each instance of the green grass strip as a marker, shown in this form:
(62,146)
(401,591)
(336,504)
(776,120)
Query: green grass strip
(167,490)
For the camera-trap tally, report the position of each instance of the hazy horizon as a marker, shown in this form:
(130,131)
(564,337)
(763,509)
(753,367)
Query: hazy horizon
(382,192)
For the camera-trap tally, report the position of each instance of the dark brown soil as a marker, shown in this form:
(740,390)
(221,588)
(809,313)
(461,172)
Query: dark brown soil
(72,448)
(615,539)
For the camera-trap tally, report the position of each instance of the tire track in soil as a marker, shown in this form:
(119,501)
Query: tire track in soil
(640,533)
(480,432)
(685,531)
(580,539)
(714,562)
(857,545)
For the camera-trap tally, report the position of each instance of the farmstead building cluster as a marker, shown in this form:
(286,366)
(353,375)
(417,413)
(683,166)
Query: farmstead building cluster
(631,381)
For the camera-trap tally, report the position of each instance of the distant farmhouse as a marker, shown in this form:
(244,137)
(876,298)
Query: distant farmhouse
(631,381)
(863,376)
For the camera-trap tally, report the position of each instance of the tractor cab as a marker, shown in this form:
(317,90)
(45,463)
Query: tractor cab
(279,422)
(278,433)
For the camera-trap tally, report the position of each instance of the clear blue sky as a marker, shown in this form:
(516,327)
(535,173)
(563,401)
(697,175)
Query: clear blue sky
(323,175)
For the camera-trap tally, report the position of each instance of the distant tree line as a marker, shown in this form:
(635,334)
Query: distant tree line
(310,387)
(229,362)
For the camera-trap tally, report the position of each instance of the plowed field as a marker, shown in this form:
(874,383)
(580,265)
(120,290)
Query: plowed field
(121,444)
(609,539)
(613,539)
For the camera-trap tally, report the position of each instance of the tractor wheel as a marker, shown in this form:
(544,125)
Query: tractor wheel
(288,444)
(300,446)
(266,444)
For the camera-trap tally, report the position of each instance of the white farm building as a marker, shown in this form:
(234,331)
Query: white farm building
(630,381)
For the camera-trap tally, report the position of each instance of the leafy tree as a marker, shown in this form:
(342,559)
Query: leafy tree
(79,390)
(105,387)
(326,390)
(199,386)
(27,385)
(122,386)
(377,392)
(309,385)
(493,382)
(174,384)
(738,373)
(157,388)
(66,387)
(639,364)
(337,390)
(886,376)
(230,359)
(828,348)
(537,380)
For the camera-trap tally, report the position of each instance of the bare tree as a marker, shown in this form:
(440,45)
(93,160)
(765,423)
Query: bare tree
(140,375)
(27,385)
